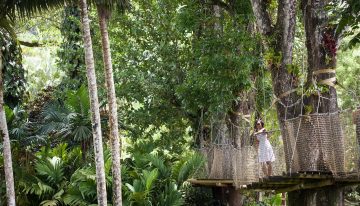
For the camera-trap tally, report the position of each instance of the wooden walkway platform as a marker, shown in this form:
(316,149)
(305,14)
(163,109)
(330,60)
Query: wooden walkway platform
(287,182)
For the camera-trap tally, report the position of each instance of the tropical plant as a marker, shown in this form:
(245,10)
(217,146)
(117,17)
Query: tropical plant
(147,170)
(9,9)
(47,179)
(348,24)
(69,119)
(82,189)
(48,184)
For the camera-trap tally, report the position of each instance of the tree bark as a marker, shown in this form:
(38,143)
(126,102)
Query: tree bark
(279,41)
(94,105)
(4,133)
(321,46)
(328,196)
(239,119)
(103,14)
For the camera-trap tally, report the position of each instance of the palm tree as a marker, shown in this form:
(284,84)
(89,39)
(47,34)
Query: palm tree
(8,11)
(103,9)
(94,106)
(4,133)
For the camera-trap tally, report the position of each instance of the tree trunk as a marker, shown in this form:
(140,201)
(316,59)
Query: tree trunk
(321,47)
(239,119)
(4,133)
(94,105)
(328,196)
(113,117)
(279,41)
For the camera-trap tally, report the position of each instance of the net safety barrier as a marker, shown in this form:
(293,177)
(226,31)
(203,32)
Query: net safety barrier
(239,164)
(316,142)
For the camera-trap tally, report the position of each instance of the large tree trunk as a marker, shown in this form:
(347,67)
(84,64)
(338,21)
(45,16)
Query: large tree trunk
(321,47)
(328,196)
(4,134)
(103,14)
(279,41)
(94,104)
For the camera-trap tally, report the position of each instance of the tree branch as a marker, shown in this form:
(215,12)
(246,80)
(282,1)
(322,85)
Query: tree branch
(263,20)
(30,44)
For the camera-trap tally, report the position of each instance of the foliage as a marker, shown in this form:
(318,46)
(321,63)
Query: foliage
(173,68)
(13,71)
(348,24)
(165,173)
(69,119)
(348,73)
(39,38)
(48,181)
(82,188)
(170,65)
(71,52)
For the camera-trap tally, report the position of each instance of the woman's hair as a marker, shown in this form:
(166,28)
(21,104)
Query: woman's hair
(259,121)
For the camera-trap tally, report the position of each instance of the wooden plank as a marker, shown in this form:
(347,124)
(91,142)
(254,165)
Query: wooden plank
(211,182)
(304,186)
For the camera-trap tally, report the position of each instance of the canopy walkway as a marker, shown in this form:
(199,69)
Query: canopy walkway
(312,154)
(286,182)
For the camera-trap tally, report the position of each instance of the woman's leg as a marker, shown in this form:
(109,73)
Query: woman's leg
(264,168)
(269,168)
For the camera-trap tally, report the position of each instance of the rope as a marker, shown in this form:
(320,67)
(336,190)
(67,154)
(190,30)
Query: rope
(282,95)
(324,71)
(294,148)
(330,82)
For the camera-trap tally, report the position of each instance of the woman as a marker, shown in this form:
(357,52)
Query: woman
(265,151)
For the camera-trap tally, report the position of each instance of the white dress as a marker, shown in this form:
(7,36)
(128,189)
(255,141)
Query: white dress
(266,153)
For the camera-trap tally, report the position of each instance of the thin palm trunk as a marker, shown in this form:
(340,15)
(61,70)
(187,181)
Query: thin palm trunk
(4,133)
(113,117)
(94,105)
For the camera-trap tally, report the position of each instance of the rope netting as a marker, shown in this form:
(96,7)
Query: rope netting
(237,159)
(321,142)
(316,142)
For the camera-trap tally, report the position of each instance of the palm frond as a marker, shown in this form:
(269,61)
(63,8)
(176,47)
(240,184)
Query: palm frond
(85,180)
(7,24)
(159,163)
(37,186)
(170,196)
(51,168)
(82,133)
(149,178)
(78,101)
(74,197)
(190,167)
(119,5)
(27,8)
